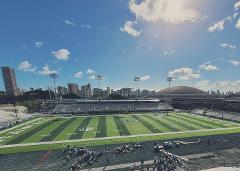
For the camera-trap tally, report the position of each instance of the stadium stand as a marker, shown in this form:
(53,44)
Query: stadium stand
(231,116)
(109,106)
(8,118)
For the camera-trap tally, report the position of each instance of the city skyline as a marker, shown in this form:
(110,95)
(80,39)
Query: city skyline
(199,48)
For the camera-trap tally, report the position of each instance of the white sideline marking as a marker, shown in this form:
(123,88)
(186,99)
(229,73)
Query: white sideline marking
(109,138)
(93,115)
(9,129)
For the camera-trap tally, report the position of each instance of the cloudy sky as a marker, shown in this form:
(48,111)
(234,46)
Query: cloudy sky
(197,42)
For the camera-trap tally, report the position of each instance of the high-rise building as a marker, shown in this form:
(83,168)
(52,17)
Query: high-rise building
(86,91)
(126,92)
(10,81)
(109,91)
(73,88)
(97,93)
(62,90)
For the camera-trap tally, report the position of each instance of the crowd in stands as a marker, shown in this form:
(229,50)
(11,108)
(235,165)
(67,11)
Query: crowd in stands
(111,107)
(231,116)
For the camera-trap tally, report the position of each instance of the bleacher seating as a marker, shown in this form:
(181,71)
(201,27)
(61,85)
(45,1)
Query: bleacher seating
(232,116)
(111,106)
(8,118)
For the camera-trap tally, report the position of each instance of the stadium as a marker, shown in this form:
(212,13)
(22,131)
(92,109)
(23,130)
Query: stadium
(182,129)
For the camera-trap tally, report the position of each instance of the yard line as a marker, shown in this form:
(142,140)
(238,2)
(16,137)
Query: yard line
(194,122)
(67,132)
(178,122)
(207,120)
(44,132)
(146,124)
(122,129)
(54,133)
(134,126)
(20,125)
(102,127)
(109,138)
(28,134)
(164,124)
(78,133)
(90,131)
(111,127)
(187,123)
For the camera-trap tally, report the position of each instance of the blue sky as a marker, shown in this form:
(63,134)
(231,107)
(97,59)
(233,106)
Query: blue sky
(195,42)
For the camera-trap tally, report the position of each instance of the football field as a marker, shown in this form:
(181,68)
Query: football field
(121,127)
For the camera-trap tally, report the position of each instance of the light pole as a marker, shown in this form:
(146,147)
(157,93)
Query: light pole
(54,76)
(99,79)
(169,80)
(137,80)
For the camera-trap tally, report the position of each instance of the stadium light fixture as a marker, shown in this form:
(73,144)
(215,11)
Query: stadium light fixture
(99,79)
(169,80)
(54,76)
(137,79)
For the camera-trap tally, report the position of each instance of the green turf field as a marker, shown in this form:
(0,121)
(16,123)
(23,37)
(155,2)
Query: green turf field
(112,129)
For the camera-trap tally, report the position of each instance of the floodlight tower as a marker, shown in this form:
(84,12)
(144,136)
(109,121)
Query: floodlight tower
(54,76)
(137,80)
(169,80)
(99,79)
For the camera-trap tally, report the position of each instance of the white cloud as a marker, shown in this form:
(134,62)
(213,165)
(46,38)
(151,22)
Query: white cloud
(26,66)
(128,28)
(238,24)
(93,77)
(47,71)
(62,54)
(24,47)
(169,52)
(184,74)
(216,26)
(235,15)
(237,5)
(208,67)
(219,85)
(38,44)
(87,26)
(138,48)
(203,83)
(90,71)
(78,74)
(156,35)
(219,25)
(226,45)
(145,77)
(171,11)
(67,22)
(234,62)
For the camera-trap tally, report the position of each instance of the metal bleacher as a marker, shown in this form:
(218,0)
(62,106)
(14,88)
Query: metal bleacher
(111,106)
